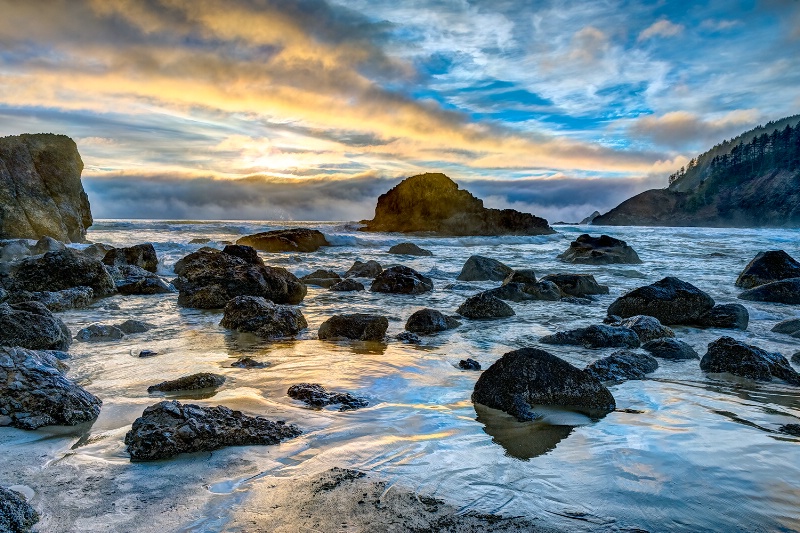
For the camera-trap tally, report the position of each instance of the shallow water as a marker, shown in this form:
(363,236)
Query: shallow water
(695,452)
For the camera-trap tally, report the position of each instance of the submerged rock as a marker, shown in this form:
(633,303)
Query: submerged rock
(484,305)
(790,429)
(670,300)
(99,333)
(322,278)
(315,395)
(34,392)
(789,326)
(286,240)
(427,321)
(167,429)
(478,268)
(201,380)
(735,357)
(528,377)
(141,255)
(57,271)
(623,365)
(408,337)
(469,364)
(31,325)
(409,248)
(647,328)
(75,298)
(579,285)
(357,326)
(347,285)
(731,316)
(784,292)
(370,269)
(401,280)
(248,362)
(766,267)
(254,314)
(134,326)
(16,514)
(668,348)
(596,336)
(603,250)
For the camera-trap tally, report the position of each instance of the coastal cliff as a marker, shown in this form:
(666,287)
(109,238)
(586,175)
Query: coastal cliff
(434,203)
(40,188)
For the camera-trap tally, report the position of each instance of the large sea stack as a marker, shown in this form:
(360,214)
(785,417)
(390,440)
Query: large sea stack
(434,203)
(40,189)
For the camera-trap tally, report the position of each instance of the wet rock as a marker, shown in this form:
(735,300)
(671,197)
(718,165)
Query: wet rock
(469,364)
(783,292)
(401,280)
(97,250)
(484,305)
(790,429)
(32,325)
(647,328)
(254,314)
(208,280)
(141,255)
(47,244)
(347,285)
(596,336)
(315,395)
(478,268)
(248,362)
(408,337)
(409,248)
(525,378)
(518,292)
(579,285)
(58,271)
(34,391)
(525,276)
(3,295)
(134,326)
(667,348)
(167,429)
(370,269)
(200,240)
(16,514)
(99,333)
(731,316)
(322,278)
(623,365)
(286,240)
(357,326)
(12,250)
(670,300)
(796,358)
(134,280)
(147,353)
(735,357)
(427,321)
(201,380)
(789,326)
(603,250)
(766,267)
(75,298)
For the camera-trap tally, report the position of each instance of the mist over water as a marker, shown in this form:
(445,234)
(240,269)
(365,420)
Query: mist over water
(691,451)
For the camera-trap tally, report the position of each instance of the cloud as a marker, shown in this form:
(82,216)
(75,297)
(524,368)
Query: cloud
(681,129)
(661,28)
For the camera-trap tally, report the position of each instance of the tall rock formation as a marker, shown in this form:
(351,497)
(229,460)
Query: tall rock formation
(434,203)
(40,188)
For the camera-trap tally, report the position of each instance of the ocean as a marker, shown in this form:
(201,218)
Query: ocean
(686,451)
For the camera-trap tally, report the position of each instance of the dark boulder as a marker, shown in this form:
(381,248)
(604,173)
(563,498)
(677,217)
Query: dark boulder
(401,280)
(427,321)
(34,392)
(141,255)
(167,429)
(409,248)
(315,395)
(31,325)
(131,326)
(347,285)
(670,300)
(286,240)
(99,333)
(735,357)
(647,328)
(58,271)
(434,203)
(208,280)
(201,380)
(519,292)
(248,362)
(603,250)
(16,514)
(668,348)
(579,285)
(730,316)
(254,314)
(789,326)
(623,365)
(595,336)
(478,268)
(75,298)
(525,378)
(357,326)
(526,276)
(766,267)
(134,280)
(483,306)
(322,278)
(783,292)
(370,269)
(408,337)
(40,189)
(469,364)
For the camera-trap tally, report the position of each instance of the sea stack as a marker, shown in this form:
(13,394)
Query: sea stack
(40,189)
(433,203)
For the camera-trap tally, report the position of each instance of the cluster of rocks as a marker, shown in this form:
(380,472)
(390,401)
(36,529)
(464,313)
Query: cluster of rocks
(772,276)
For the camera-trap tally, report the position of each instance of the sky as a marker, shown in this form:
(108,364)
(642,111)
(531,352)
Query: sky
(309,109)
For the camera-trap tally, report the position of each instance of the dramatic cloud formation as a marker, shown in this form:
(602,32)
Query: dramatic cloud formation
(186,105)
